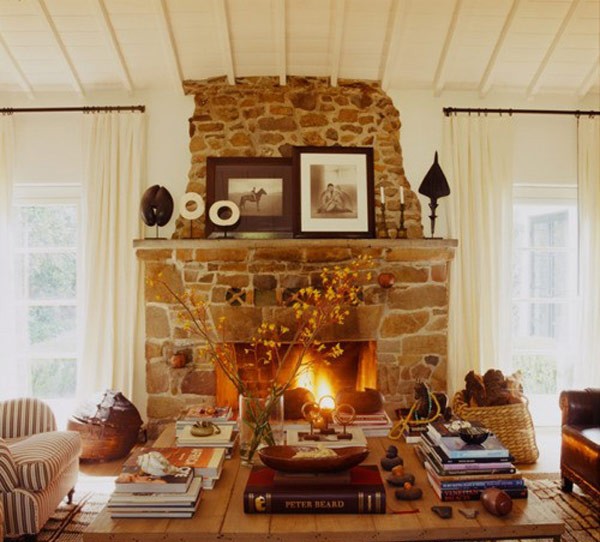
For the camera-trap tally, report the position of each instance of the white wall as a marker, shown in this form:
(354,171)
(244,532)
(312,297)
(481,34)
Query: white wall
(545,145)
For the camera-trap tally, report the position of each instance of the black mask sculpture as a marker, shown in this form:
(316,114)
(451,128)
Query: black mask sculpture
(156,207)
(434,186)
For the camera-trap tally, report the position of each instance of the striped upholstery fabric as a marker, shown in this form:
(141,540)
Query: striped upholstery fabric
(41,457)
(26,512)
(9,478)
(23,417)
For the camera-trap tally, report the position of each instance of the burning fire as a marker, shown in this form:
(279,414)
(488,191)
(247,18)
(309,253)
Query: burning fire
(318,384)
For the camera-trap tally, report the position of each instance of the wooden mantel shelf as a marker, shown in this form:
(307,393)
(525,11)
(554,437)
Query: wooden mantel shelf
(158,244)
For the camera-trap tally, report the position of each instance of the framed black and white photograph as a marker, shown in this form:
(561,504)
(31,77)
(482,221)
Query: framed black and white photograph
(334,190)
(262,190)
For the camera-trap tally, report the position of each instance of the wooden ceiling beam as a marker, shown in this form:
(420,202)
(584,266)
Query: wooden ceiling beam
(16,68)
(166,32)
(440,73)
(394,34)
(488,75)
(224,32)
(534,85)
(592,77)
(337,34)
(280,43)
(49,22)
(110,36)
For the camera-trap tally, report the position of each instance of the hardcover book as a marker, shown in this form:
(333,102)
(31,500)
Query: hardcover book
(218,415)
(164,499)
(223,439)
(456,448)
(206,462)
(448,495)
(132,480)
(480,482)
(363,494)
(445,459)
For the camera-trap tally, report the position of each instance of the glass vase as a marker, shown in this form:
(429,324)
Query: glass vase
(260,423)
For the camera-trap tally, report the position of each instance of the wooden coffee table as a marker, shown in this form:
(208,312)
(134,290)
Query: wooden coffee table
(220,516)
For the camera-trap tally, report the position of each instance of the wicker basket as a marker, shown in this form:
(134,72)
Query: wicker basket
(512,424)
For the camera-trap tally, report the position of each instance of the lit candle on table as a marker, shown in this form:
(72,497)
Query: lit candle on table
(402,195)
(382,194)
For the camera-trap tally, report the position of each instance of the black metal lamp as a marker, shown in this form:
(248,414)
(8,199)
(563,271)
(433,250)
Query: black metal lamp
(434,186)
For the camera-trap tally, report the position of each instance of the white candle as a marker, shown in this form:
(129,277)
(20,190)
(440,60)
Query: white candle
(382,194)
(402,194)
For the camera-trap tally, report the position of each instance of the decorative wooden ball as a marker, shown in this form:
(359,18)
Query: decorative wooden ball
(496,501)
(386,280)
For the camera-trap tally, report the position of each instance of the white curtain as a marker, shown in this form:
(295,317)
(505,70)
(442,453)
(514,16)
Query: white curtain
(8,350)
(115,154)
(587,370)
(477,160)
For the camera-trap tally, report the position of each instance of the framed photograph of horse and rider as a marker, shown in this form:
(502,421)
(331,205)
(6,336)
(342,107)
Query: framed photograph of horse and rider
(260,187)
(334,192)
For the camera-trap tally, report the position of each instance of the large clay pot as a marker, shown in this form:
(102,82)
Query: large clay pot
(109,428)
(364,402)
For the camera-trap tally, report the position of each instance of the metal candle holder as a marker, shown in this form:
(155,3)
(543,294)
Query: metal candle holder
(402,231)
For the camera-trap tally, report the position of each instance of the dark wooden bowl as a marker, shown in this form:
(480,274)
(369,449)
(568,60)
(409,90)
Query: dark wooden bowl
(282,458)
(473,435)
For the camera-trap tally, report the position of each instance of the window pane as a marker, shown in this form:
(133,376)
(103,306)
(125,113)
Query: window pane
(52,329)
(51,378)
(52,276)
(542,320)
(47,226)
(539,372)
(549,274)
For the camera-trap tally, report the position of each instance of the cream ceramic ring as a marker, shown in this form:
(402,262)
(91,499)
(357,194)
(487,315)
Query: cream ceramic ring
(215,208)
(191,197)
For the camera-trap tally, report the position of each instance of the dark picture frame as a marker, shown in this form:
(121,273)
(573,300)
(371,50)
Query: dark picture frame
(334,191)
(244,180)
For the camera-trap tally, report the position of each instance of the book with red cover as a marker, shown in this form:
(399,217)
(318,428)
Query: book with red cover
(364,494)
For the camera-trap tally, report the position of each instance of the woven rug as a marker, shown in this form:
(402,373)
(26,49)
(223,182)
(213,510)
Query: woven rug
(580,513)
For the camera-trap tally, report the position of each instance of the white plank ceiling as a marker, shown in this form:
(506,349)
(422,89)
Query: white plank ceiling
(530,47)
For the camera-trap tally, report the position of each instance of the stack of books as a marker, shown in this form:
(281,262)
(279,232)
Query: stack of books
(358,491)
(226,439)
(138,495)
(374,425)
(460,472)
(199,413)
(204,462)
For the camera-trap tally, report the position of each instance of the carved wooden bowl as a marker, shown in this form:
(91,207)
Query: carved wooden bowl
(282,458)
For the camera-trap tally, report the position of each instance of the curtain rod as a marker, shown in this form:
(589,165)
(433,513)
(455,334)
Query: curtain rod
(452,110)
(84,109)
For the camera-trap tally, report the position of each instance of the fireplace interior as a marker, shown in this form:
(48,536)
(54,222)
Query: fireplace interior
(355,369)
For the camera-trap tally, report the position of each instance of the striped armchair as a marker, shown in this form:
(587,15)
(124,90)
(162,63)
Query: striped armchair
(38,465)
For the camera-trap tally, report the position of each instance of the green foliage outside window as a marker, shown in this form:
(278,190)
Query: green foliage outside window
(51,379)
(539,373)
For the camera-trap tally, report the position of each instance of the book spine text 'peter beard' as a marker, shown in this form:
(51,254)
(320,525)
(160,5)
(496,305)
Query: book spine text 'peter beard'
(273,502)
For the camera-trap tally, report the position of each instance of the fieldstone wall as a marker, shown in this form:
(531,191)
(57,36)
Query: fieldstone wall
(258,117)
(248,282)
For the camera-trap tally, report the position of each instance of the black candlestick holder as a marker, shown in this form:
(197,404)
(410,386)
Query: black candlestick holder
(402,231)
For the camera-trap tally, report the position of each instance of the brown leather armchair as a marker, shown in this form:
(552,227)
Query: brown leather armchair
(580,448)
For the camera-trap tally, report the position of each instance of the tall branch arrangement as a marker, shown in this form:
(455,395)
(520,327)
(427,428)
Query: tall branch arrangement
(315,309)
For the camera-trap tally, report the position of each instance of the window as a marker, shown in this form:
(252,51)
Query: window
(544,294)
(47,264)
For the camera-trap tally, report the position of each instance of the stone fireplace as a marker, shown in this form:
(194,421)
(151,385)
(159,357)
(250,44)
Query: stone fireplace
(403,328)
(247,282)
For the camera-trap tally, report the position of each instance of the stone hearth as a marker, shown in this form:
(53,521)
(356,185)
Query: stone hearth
(247,281)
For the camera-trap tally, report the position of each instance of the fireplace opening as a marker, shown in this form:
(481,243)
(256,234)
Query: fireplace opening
(355,369)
